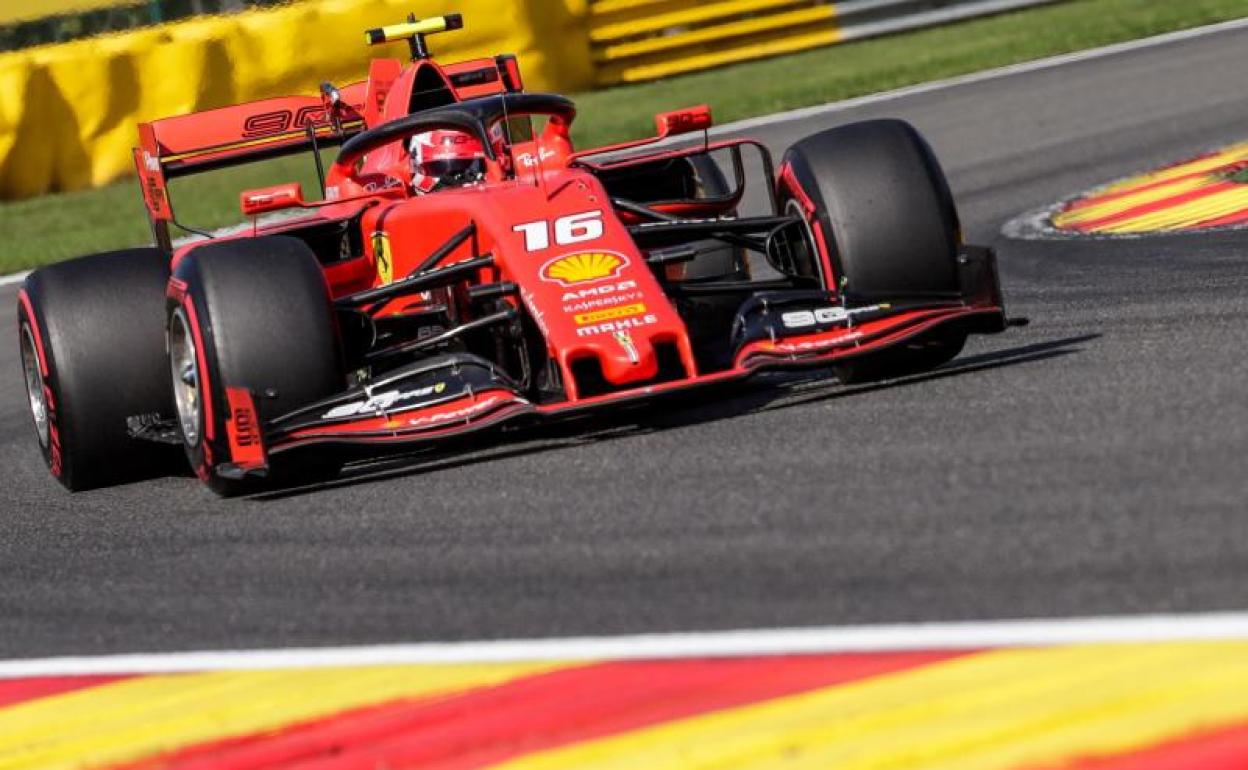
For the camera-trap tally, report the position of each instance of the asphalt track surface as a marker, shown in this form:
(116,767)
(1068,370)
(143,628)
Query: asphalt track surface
(1092,463)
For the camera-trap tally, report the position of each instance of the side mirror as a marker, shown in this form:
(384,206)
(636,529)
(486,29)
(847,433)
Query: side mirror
(683,121)
(332,99)
(282,196)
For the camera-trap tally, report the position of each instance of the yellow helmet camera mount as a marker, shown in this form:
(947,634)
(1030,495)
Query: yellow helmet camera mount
(414,32)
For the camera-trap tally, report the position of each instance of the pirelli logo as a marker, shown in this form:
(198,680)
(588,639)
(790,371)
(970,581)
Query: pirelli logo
(609,314)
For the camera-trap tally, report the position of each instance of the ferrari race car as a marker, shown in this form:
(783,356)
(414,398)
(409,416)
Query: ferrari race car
(466,268)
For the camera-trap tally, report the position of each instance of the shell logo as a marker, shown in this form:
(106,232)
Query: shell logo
(584,267)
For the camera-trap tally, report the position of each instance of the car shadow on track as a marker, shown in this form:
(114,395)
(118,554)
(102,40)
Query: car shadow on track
(983,362)
(767,392)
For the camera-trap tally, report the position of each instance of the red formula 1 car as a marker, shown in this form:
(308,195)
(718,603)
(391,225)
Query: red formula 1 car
(467,268)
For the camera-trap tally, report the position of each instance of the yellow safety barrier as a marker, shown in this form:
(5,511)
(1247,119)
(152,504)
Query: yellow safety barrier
(646,39)
(67,119)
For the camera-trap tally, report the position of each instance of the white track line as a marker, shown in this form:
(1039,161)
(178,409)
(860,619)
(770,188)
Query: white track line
(9,280)
(979,77)
(882,638)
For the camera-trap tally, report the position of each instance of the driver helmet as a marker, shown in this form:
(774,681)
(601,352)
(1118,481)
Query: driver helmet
(443,158)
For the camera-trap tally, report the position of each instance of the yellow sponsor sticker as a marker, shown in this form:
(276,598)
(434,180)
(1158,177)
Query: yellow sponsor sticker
(609,314)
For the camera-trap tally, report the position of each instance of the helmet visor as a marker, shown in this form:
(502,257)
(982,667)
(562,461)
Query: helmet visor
(454,167)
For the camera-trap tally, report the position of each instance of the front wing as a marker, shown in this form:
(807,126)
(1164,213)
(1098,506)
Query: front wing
(462,394)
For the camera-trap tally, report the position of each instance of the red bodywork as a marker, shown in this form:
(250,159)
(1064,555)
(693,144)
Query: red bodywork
(550,225)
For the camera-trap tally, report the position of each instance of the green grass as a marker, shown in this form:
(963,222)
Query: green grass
(56,227)
(1240,177)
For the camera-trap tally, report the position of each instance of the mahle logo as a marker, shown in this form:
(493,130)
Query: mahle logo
(584,267)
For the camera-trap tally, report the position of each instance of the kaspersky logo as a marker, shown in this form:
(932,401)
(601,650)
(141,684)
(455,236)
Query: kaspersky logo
(584,267)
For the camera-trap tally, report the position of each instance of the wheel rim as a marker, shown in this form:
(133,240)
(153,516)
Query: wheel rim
(35,386)
(794,209)
(184,368)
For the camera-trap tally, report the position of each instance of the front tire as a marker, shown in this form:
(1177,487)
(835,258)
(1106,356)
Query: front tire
(253,314)
(881,206)
(882,228)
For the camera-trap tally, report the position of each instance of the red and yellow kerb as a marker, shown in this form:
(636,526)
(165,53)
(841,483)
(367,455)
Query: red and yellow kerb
(1093,707)
(1210,191)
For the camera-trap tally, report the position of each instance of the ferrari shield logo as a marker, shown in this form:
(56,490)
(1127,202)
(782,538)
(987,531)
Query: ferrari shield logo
(630,348)
(381,253)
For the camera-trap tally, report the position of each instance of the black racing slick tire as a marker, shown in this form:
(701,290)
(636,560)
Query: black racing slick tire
(708,317)
(717,261)
(91,339)
(883,209)
(253,314)
(883,229)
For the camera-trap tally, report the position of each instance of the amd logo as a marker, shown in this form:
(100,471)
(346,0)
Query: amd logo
(599,291)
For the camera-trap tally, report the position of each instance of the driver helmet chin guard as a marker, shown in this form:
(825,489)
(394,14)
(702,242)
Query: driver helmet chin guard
(444,158)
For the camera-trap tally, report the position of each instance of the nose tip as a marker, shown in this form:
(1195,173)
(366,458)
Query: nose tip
(629,358)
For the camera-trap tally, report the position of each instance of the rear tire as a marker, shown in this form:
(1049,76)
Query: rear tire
(883,228)
(719,261)
(93,354)
(707,318)
(253,314)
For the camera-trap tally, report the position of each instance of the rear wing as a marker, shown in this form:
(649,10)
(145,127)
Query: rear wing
(248,132)
(271,128)
(485,77)
(231,136)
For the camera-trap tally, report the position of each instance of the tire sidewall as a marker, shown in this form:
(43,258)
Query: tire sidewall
(823,265)
(186,295)
(28,317)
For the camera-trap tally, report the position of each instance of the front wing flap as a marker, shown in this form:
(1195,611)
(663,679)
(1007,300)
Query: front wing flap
(796,332)
(432,399)
(794,328)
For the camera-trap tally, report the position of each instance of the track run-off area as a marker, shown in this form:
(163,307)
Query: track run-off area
(1090,464)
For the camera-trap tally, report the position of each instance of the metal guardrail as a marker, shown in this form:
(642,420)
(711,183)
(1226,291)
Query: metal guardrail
(636,40)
